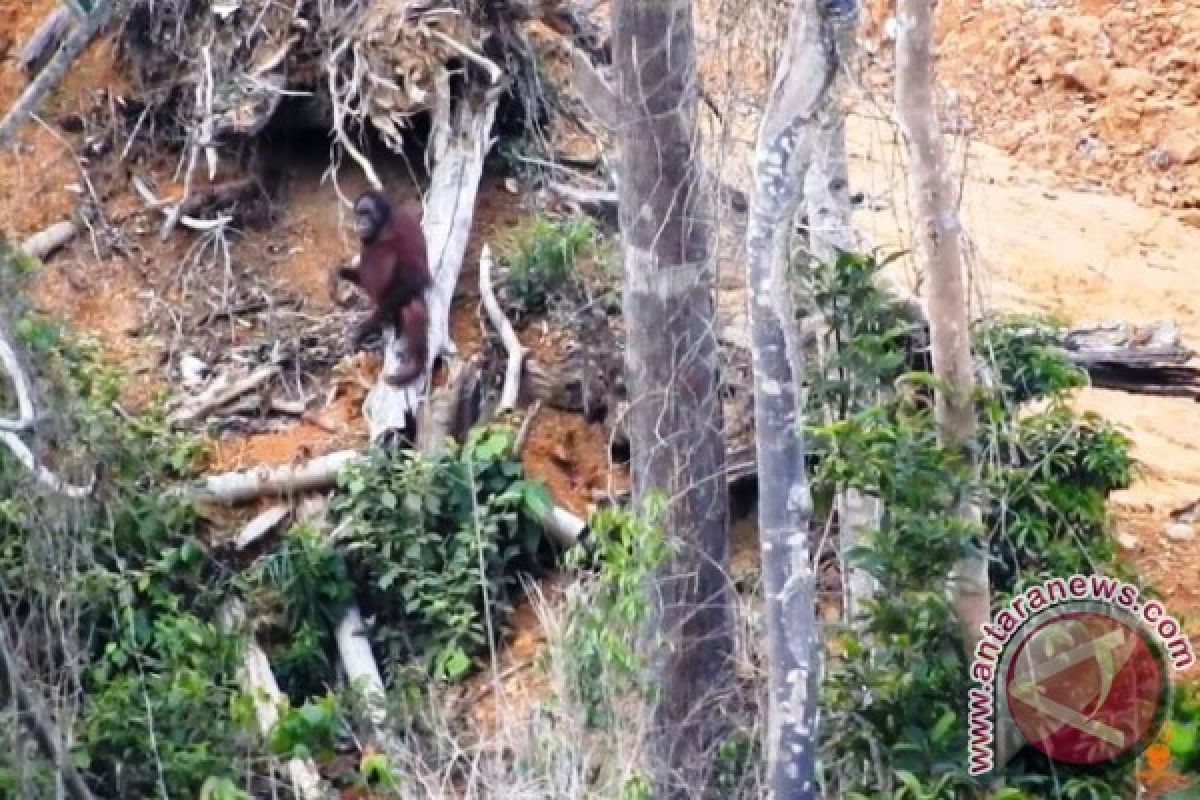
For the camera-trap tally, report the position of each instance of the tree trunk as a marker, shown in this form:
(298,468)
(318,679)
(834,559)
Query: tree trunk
(800,97)
(675,417)
(830,231)
(939,246)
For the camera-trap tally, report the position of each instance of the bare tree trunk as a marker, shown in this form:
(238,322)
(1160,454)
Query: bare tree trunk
(939,244)
(675,419)
(800,97)
(830,231)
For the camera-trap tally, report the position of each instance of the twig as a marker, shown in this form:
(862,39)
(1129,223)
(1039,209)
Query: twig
(338,115)
(56,70)
(526,426)
(218,396)
(204,99)
(45,733)
(494,72)
(512,344)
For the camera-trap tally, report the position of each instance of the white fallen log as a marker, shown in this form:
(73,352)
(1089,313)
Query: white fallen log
(361,670)
(45,242)
(259,682)
(237,487)
(564,526)
(261,525)
(512,344)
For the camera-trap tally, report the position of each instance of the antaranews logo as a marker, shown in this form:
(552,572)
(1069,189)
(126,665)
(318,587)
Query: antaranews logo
(1077,667)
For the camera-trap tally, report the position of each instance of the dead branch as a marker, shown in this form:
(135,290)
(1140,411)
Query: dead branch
(593,89)
(24,392)
(46,38)
(516,350)
(35,716)
(231,488)
(193,203)
(261,525)
(259,682)
(219,395)
(56,70)
(596,202)
(26,416)
(46,242)
(459,143)
(331,69)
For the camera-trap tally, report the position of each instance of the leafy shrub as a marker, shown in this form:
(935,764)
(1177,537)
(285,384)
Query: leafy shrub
(541,259)
(894,690)
(121,583)
(607,612)
(437,545)
(304,587)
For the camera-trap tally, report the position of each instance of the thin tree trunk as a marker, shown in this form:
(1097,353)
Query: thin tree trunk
(799,97)
(830,231)
(939,245)
(671,358)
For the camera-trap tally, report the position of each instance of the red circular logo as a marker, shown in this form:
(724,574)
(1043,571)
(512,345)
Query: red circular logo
(1085,687)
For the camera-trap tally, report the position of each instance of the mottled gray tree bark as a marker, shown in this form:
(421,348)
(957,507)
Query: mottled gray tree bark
(830,231)
(938,235)
(671,360)
(800,99)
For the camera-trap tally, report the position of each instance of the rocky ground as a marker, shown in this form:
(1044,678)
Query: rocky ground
(1105,93)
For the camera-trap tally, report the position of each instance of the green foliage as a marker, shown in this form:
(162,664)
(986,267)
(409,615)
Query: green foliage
(304,587)
(737,758)
(438,545)
(606,634)
(894,692)
(541,259)
(1026,352)
(309,731)
(170,699)
(1183,729)
(160,712)
(868,328)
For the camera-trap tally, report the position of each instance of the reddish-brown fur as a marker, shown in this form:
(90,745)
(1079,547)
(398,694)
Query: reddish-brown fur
(393,270)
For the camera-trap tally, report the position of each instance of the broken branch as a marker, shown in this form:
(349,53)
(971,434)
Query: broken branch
(56,70)
(512,344)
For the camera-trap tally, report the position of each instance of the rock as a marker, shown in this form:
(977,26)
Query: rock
(1125,80)
(1127,541)
(1180,532)
(1081,28)
(1183,147)
(1089,74)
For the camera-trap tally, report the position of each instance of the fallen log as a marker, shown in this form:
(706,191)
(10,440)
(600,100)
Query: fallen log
(259,683)
(46,39)
(231,488)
